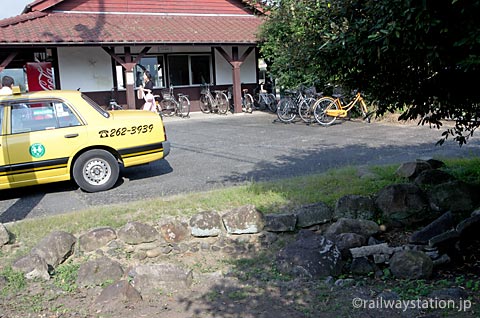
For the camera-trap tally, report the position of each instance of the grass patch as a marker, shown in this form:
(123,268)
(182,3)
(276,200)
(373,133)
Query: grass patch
(15,281)
(65,276)
(465,169)
(269,197)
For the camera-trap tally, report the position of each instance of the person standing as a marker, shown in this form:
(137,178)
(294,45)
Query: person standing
(147,90)
(147,79)
(7,85)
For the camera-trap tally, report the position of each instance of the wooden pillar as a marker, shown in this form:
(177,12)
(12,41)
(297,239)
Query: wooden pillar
(237,87)
(130,79)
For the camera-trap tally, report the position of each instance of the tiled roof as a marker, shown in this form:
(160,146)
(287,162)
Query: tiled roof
(88,28)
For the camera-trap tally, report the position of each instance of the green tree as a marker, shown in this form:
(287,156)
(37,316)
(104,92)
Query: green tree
(421,56)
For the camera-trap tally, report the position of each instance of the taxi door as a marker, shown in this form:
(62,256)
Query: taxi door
(5,177)
(44,136)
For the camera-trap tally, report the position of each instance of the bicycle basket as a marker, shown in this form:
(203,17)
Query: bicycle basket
(310,91)
(339,91)
(166,94)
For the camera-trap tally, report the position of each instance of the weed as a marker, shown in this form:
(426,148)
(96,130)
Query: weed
(386,274)
(237,295)
(65,276)
(212,296)
(107,283)
(411,289)
(15,281)
(260,267)
(60,309)
(36,303)
(443,283)
(468,283)
(460,280)
(473,285)
(203,267)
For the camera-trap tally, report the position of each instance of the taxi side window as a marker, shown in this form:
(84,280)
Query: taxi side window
(43,115)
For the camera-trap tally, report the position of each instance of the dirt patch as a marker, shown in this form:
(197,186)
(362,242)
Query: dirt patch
(243,281)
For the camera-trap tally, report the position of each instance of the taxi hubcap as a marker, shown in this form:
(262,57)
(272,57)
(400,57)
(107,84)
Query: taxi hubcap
(97,172)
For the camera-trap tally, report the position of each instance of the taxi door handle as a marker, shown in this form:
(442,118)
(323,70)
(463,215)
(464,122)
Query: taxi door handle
(71,136)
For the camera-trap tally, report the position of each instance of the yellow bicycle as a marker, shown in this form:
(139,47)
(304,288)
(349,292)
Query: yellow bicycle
(327,109)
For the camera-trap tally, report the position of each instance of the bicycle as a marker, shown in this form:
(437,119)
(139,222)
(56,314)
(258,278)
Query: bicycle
(305,110)
(247,101)
(265,100)
(170,106)
(289,106)
(210,104)
(112,102)
(328,109)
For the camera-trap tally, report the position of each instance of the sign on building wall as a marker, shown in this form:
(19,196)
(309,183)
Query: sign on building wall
(40,76)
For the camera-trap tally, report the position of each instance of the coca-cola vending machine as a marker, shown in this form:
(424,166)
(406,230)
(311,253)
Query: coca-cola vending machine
(40,76)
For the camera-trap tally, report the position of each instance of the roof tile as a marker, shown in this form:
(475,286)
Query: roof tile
(75,28)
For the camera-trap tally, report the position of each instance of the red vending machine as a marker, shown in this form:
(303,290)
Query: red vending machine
(40,76)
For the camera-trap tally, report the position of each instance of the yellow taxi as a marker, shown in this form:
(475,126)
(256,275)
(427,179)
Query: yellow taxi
(52,136)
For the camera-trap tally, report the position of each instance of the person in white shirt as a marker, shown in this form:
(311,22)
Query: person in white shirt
(7,85)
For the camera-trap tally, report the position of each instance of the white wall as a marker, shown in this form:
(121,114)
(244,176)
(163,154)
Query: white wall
(89,69)
(223,69)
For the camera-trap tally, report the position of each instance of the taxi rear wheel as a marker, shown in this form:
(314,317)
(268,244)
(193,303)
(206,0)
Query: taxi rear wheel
(96,170)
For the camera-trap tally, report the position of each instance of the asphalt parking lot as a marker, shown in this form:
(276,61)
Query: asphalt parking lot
(214,151)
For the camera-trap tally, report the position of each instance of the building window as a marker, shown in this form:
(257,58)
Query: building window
(183,70)
(153,64)
(18,75)
(200,66)
(189,69)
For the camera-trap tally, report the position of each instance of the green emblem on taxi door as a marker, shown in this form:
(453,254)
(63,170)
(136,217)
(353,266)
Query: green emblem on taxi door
(37,150)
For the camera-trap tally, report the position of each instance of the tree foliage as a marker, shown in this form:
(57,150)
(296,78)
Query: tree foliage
(421,56)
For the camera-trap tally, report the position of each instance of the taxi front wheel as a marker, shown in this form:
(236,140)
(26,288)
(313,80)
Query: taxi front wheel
(96,170)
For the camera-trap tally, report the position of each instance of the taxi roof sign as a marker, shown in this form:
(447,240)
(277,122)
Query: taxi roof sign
(16,90)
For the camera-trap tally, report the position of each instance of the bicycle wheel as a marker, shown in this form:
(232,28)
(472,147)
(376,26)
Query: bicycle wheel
(222,103)
(205,104)
(272,103)
(248,103)
(168,107)
(305,110)
(259,102)
(184,106)
(286,110)
(319,109)
(371,110)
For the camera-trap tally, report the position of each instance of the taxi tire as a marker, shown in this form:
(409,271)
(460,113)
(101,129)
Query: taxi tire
(104,160)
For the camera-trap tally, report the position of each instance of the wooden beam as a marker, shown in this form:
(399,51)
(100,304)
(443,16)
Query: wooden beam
(7,60)
(236,63)
(128,63)
(110,51)
(246,54)
(224,54)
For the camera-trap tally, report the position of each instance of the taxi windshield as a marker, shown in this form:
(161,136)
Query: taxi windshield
(99,109)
